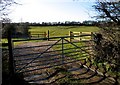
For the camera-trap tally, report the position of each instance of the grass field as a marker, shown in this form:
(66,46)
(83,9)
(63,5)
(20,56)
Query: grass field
(63,30)
(60,30)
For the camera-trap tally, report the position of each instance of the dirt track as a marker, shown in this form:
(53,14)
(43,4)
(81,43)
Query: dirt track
(46,69)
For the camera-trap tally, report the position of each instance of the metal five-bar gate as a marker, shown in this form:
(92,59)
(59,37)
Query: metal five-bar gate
(37,59)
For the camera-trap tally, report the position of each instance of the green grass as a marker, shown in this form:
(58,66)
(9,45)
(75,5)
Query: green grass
(4,40)
(63,30)
(58,30)
(71,50)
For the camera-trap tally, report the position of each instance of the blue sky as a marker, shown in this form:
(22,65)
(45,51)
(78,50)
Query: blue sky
(52,10)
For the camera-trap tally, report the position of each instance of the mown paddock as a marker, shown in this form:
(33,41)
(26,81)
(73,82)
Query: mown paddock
(56,31)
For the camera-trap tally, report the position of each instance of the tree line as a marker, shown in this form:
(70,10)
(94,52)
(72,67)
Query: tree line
(66,23)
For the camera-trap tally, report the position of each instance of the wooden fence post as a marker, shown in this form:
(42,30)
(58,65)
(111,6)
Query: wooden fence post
(11,61)
(48,35)
(29,35)
(92,36)
(79,35)
(70,34)
(38,35)
(45,35)
(62,50)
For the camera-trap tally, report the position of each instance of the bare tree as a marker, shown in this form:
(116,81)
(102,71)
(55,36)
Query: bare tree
(4,11)
(109,11)
(4,8)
